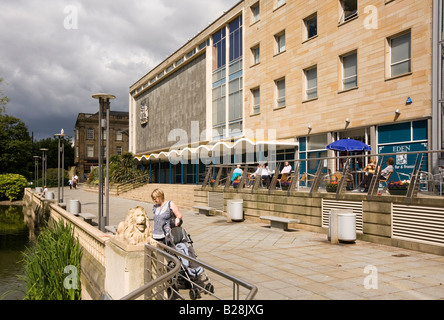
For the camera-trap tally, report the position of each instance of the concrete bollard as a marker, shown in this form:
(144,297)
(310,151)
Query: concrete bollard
(49,195)
(74,206)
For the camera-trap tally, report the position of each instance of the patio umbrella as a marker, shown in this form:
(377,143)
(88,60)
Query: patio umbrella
(349,145)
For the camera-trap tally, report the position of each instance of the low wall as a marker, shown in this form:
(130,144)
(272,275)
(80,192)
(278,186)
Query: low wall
(385,219)
(92,241)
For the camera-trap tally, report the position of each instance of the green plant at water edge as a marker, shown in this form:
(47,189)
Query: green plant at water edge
(12,186)
(52,265)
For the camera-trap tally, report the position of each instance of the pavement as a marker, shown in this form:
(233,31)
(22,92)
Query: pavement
(296,264)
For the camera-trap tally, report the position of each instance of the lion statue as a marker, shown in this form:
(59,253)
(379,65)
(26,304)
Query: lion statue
(136,228)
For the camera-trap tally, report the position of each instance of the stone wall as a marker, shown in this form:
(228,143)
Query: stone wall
(376,213)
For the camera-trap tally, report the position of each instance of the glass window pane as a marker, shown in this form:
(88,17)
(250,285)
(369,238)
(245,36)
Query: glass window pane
(401,68)
(401,48)
(350,65)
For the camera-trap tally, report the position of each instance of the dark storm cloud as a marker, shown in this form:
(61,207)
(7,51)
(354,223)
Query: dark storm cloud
(50,72)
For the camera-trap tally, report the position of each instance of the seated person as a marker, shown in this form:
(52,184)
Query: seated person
(369,170)
(286,171)
(265,175)
(236,173)
(385,173)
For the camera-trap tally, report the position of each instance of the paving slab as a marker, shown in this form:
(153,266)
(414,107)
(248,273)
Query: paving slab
(298,265)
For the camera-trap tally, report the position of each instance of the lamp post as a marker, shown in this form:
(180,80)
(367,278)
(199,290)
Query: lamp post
(44,165)
(104,106)
(36,170)
(61,150)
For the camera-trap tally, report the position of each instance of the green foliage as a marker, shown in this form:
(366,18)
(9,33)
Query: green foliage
(52,176)
(15,145)
(52,265)
(12,186)
(122,168)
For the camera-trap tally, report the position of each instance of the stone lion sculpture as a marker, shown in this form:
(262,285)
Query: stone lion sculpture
(136,228)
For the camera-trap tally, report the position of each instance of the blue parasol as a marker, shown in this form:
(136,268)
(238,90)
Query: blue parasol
(349,145)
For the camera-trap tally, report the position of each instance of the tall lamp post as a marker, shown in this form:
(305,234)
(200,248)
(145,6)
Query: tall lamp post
(36,170)
(61,150)
(104,106)
(44,165)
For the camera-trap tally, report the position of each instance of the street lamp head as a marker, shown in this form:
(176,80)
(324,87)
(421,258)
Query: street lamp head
(43,149)
(61,134)
(103,96)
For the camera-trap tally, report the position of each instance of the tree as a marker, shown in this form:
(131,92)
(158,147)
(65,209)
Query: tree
(15,146)
(52,144)
(3,100)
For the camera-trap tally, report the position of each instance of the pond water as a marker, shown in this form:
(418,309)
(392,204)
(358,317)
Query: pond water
(14,237)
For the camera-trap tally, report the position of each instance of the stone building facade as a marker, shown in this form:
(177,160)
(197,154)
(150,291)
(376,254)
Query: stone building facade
(86,139)
(296,75)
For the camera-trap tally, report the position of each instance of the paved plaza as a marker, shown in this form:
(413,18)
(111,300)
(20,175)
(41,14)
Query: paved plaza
(298,265)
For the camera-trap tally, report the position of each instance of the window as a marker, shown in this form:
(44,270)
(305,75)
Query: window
(219,49)
(255,52)
(255,95)
(280,93)
(400,55)
(349,71)
(311,27)
(119,150)
(280,3)
(255,13)
(119,136)
(90,134)
(311,83)
(235,38)
(90,151)
(280,42)
(349,10)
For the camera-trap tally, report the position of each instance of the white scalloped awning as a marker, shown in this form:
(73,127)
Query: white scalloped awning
(208,149)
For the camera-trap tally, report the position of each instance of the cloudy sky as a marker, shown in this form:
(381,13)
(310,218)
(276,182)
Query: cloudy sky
(55,54)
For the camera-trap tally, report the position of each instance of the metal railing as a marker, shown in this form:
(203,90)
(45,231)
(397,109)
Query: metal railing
(301,180)
(133,183)
(164,265)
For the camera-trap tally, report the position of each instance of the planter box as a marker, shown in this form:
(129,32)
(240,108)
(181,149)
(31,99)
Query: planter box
(396,192)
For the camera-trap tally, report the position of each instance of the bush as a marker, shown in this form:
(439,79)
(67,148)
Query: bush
(52,265)
(12,186)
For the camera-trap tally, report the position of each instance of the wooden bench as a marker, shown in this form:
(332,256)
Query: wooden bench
(87,217)
(278,222)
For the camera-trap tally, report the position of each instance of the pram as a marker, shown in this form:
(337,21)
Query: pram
(191,276)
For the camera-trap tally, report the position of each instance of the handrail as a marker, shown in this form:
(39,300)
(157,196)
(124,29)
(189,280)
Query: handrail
(172,255)
(253,289)
(139,179)
(159,280)
(322,161)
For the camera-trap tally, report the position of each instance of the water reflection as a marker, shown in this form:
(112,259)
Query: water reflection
(14,237)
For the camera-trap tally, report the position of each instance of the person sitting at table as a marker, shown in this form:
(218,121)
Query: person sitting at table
(236,173)
(369,171)
(286,171)
(385,173)
(265,175)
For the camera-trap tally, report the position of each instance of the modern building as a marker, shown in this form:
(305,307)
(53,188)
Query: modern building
(86,139)
(281,79)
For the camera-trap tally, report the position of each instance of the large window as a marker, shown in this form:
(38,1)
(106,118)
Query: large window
(400,55)
(236,38)
(219,49)
(90,134)
(349,71)
(255,54)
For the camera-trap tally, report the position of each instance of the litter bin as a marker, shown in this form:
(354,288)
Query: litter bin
(346,226)
(38,190)
(49,195)
(235,209)
(74,206)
